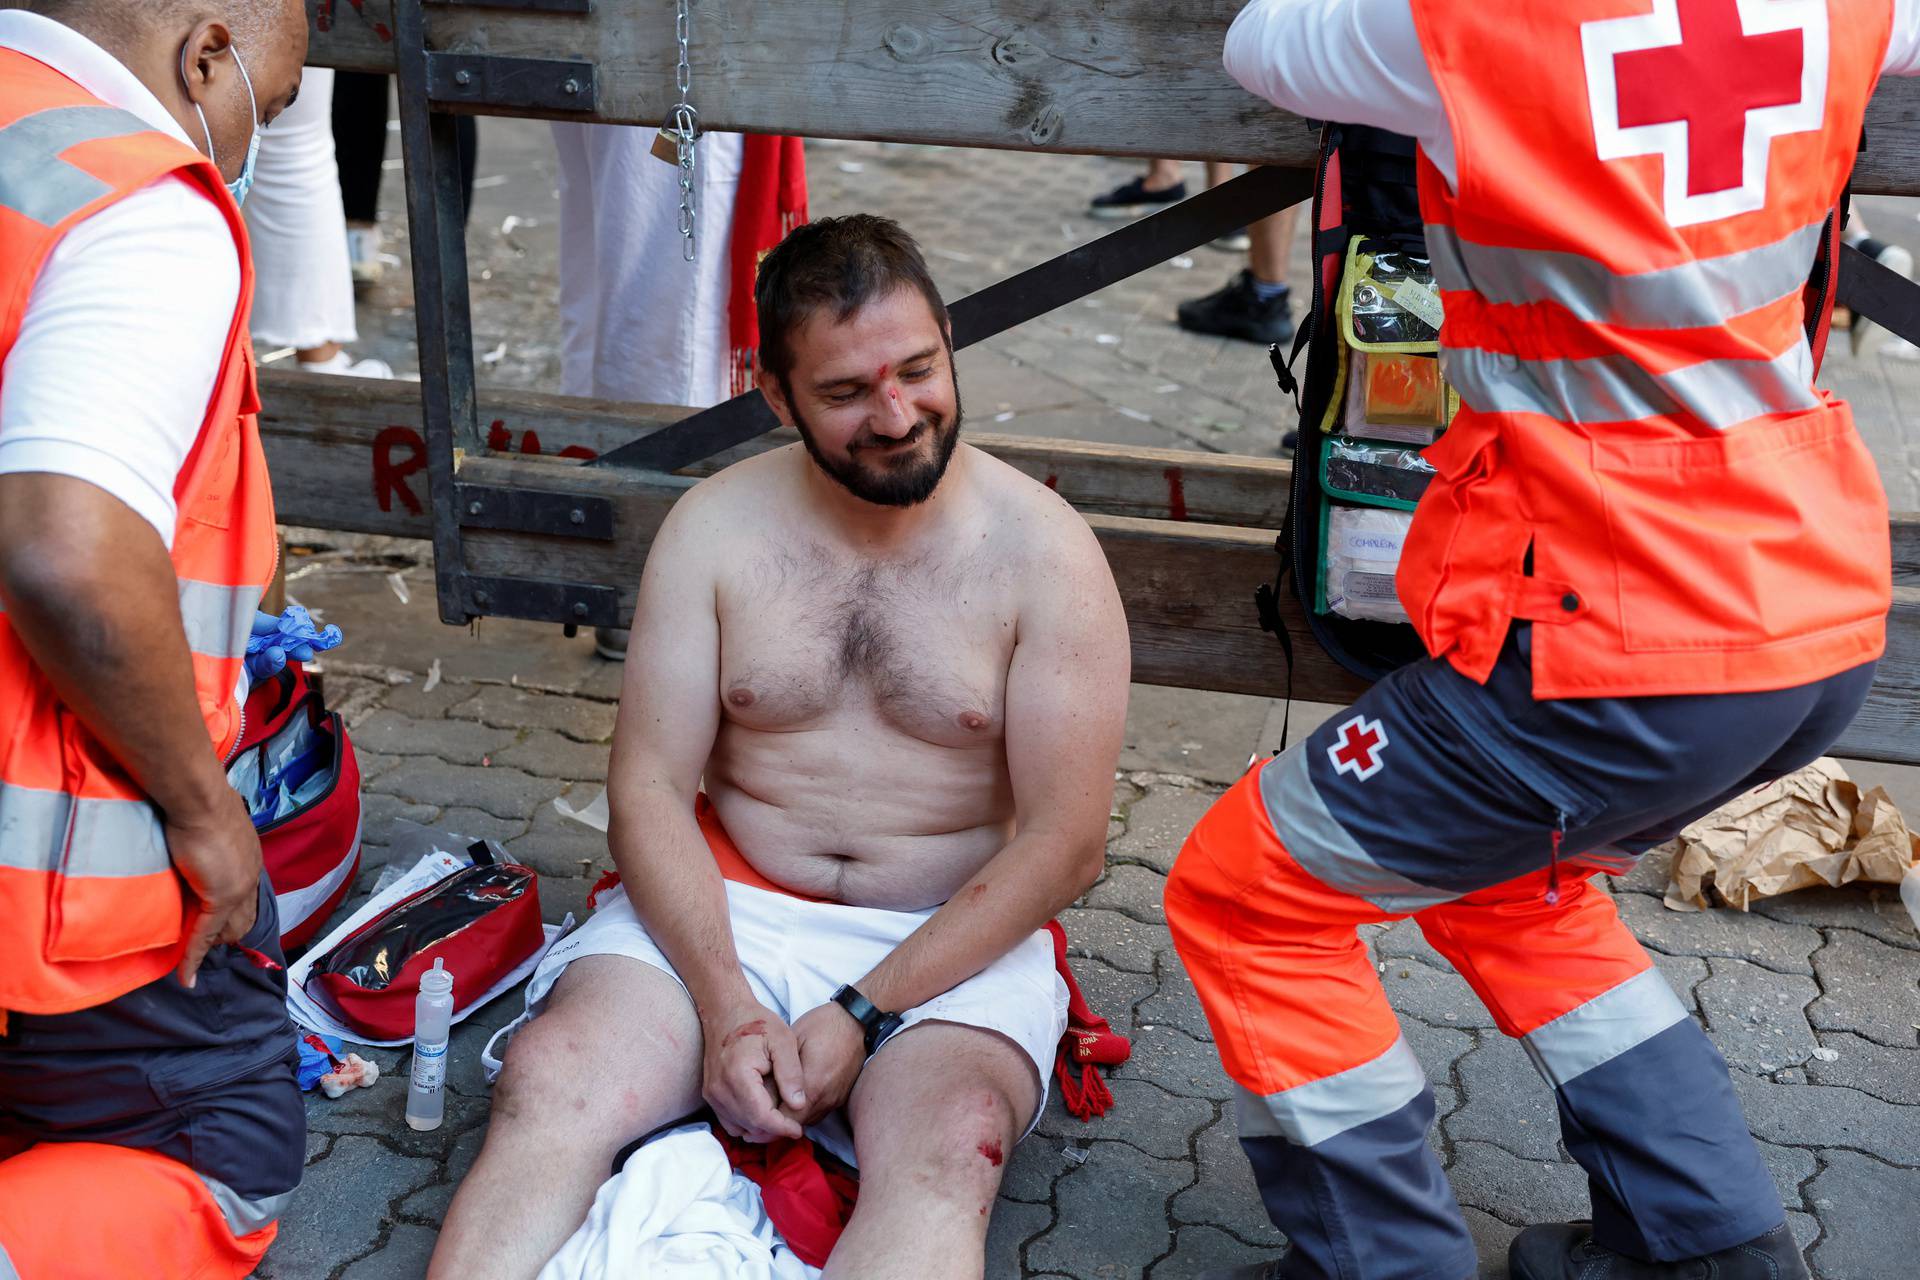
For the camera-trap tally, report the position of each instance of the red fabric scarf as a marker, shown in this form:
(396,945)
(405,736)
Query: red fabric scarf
(771,201)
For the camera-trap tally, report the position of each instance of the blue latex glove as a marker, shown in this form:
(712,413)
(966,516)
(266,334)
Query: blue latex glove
(291,635)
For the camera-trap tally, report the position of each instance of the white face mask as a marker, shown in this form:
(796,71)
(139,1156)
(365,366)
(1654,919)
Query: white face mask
(239,187)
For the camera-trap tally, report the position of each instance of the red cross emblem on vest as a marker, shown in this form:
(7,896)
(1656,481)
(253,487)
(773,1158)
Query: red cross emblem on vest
(1358,747)
(1707,85)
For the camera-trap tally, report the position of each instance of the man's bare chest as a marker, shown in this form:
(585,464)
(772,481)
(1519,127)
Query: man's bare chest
(920,646)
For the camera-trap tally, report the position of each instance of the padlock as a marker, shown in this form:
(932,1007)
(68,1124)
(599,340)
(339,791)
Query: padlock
(666,145)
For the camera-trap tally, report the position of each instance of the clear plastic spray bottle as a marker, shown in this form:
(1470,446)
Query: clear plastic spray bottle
(432,1019)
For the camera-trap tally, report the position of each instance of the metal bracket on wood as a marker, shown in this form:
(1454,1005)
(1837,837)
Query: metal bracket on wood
(533,84)
(561,515)
(539,600)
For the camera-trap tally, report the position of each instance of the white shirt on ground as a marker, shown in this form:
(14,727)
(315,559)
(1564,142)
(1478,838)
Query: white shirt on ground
(1360,62)
(120,345)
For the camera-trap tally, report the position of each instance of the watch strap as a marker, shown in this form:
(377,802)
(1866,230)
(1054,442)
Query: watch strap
(875,1024)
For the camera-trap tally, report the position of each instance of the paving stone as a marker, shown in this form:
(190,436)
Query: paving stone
(1112,992)
(379,812)
(1403,939)
(1490,1178)
(1199,734)
(1737,935)
(1200,1249)
(373,763)
(1438,996)
(1177,1063)
(1013,1225)
(1758,1018)
(1506,1102)
(1806,1229)
(1876,910)
(1111,1215)
(1651,875)
(1224,1193)
(1790,1167)
(1035,1165)
(559,846)
(1438,1048)
(1868,988)
(1120,941)
(1892,1075)
(508,708)
(1812,1115)
(505,793)
(317,1145)
(1158,824)
(1490,1238)
(547,754)
(477,824)
(455,741)
(403,1257)
(1158,1122)
(1176,1003)
(341,1207)
(429,1204)
(1867,1209)
(1132,891)
(1685,974)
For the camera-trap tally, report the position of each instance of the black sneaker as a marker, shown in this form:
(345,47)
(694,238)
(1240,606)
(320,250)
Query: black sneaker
(1237,312)
(1132,199)
(1566,1251)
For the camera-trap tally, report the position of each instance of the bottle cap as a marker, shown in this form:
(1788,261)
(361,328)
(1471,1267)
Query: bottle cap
(437,981)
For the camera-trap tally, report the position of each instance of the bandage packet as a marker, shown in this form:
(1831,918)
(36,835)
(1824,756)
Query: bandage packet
(1363,547)
(1406,413)
(1369,472)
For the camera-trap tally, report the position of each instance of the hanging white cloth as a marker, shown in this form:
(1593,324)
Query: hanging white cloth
(303,282)
(677,1211)
(637,321)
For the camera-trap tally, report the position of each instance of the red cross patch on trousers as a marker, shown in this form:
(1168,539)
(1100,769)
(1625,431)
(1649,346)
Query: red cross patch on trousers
(1358,748)
(1707,85)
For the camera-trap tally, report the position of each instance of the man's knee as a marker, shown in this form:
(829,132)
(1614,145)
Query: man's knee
(954,1148)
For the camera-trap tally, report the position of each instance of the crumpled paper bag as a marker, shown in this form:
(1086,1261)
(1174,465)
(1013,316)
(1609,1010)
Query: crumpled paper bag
(1812,827)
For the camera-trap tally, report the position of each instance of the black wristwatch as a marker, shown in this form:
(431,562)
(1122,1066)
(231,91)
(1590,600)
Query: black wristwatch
(876,1026)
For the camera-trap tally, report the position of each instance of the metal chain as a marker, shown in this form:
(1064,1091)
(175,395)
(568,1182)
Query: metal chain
(686,129)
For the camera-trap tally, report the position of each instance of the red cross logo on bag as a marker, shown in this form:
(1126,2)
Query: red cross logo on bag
(1707,85)
(1358,750)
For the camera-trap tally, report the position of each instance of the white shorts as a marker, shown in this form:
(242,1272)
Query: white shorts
(797,953)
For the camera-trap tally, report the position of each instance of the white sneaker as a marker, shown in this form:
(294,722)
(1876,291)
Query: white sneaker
(344,363)
(363,253)
(1866,337)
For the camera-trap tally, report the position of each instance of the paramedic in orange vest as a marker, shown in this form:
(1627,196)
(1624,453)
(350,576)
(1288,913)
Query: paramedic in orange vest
(150,1124)
(1651,573)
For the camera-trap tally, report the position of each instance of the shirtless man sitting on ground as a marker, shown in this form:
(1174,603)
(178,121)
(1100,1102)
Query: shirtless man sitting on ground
(901,668)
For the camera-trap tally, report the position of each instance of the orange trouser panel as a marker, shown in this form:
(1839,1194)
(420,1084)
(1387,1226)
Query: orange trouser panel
(86,1209)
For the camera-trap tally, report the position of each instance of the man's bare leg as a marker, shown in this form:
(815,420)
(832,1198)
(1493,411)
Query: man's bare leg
(935,1116)
(615,1055)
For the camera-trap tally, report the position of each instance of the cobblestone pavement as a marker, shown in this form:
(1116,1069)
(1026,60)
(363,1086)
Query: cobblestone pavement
(1812,999)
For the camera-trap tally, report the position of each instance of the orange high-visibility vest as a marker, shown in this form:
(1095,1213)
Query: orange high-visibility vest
(1641,189)
(90,906)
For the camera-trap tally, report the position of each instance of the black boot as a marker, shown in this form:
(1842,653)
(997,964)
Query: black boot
(1566,1251)
(1237,312)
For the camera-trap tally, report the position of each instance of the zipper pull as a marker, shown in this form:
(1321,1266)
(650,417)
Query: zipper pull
(1553,866)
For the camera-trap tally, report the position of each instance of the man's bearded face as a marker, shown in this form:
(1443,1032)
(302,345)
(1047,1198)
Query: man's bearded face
(875,400)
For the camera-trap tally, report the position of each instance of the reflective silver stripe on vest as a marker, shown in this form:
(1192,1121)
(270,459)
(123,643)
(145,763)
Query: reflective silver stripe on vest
(1317,841)
(218,618)
(1692,295)
(34,181)
(1309,1114)
(1604,1028)
(105,838)
(244,1216)
(1600,389)
(7,1269)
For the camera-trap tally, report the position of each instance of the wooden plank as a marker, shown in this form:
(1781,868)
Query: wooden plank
(345,455)
(1025,75)
(341,449)
(1188,588)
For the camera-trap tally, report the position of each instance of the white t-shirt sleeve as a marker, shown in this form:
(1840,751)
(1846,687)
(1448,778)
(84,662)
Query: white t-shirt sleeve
(1903,51)
(1354,61)
(110,376)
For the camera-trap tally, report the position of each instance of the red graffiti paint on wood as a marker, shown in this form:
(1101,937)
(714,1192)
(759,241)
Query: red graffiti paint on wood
(1176,494)
(1053,482)
(323,19)
(500,440)
(390,474)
